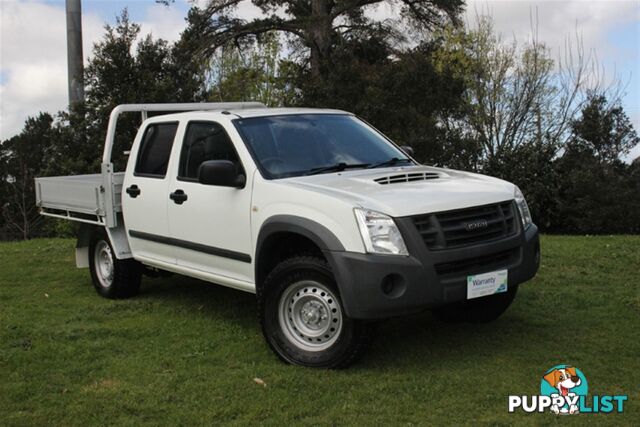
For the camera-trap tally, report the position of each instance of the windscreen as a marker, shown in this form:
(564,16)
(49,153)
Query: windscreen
(295,145)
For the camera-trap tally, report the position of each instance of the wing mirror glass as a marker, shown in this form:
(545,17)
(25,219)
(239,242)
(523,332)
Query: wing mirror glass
(223,173)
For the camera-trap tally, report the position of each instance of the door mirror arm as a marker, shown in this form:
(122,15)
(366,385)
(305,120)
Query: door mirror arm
(407,149)
(241,181)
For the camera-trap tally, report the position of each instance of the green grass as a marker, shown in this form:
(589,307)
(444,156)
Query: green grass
(186,352)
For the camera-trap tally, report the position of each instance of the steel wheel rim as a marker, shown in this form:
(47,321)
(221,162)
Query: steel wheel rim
(310,315)
(103,263)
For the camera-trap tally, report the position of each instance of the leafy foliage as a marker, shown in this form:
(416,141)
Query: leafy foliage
(597,192)
(22,158)
(603,130)
(400,92)
(126,70)
(255,73)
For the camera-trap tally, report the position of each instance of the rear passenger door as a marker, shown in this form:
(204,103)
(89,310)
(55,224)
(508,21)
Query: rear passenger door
(209,225)
(145,193)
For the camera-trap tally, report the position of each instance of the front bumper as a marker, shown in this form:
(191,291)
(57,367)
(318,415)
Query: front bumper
(381,286)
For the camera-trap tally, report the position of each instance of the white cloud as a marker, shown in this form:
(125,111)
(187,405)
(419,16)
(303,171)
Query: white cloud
(163,22)
(32,81)
(200,3)
(245,9)
(557,20)
(33,60)
(33,55)
(559,15)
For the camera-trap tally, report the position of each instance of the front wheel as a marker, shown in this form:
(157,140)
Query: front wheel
(303,319)
(112,277)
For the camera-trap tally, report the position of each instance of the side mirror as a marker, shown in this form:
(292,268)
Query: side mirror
(223,173)
(407,149)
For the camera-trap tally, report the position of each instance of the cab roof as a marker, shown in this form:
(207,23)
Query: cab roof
(253,112)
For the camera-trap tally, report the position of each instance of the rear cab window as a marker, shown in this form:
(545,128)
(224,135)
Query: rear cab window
(155,150)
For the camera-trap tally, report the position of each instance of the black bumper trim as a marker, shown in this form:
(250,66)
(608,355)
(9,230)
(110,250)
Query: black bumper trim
(362,277)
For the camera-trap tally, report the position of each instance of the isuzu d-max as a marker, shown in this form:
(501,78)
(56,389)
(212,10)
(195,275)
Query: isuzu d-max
(326,220)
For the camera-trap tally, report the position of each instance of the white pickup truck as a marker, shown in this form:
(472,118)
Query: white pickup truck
(325,219)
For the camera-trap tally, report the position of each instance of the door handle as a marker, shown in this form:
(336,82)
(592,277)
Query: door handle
(133,191)
(178,197)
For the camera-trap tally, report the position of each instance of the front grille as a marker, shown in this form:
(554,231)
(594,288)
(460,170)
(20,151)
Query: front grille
(465,227)
(479,264)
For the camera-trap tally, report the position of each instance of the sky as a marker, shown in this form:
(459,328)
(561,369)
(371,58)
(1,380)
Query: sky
(33,73)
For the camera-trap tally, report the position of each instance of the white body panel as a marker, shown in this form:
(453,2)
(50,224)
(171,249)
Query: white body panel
(146,213)
(198,274)
(213,216)
(452,190)
(278,197)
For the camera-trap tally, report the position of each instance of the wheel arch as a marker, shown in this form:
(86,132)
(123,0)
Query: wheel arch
(117,237)
(300,233)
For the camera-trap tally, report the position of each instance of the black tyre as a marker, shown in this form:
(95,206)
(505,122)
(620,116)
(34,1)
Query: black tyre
(112,278)
(303,319)
(479,310)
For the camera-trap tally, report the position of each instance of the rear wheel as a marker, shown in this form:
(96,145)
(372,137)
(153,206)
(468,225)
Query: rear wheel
(479,310)
(112,277)
(303,319)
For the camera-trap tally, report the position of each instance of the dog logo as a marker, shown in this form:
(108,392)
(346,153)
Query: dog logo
(563,391)
(564,380)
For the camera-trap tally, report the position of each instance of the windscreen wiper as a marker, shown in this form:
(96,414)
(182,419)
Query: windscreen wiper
(338,167)
(391,162)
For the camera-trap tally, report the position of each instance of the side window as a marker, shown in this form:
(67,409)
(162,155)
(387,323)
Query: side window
(155,150)
(204,141)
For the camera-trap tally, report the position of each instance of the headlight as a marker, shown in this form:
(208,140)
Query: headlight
(522,207)
(379,233)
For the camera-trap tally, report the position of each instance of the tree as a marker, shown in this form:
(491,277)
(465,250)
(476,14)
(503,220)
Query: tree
(598,193)
(21,160)
(604,129)
(314,24)
(597,197)
(399,91)
(515,93)
(255,73)
(124,70)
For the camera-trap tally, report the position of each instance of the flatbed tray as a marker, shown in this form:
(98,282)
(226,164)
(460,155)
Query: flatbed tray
(83,194)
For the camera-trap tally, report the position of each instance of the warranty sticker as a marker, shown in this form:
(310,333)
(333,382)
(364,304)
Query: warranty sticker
(481,285)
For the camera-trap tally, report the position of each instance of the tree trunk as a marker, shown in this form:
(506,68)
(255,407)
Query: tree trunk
(320,27)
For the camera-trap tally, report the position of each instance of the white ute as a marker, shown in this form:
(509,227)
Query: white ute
(325,219)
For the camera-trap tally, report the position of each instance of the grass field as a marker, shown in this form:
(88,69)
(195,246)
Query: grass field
(186,352)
